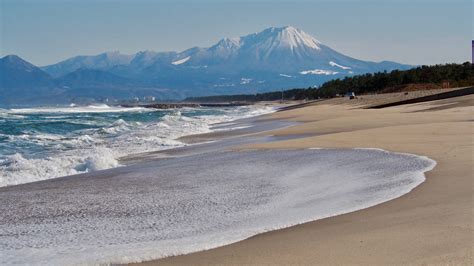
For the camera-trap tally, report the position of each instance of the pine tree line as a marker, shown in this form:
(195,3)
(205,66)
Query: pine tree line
(457,75)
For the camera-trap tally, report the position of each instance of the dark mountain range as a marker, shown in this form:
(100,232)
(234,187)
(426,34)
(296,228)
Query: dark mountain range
(17,73)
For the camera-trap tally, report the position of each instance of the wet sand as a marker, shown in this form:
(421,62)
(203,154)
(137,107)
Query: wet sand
(433,224)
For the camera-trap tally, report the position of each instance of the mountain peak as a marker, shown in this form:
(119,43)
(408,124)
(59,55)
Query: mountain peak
(284,28)
(227,45)
(16,60)
(145,54)
(116,57)
(229,42)
(112,53)
(292,37)
(18,73)
(12,58)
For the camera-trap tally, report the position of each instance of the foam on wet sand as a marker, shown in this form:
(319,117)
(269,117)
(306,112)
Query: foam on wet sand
(180,205)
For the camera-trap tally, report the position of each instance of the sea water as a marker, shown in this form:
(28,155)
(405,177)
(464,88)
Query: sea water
(43,143)
(185,204)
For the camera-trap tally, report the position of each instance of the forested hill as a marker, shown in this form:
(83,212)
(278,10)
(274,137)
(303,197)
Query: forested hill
(424,77)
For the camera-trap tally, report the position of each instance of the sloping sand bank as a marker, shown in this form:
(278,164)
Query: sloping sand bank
(431,225)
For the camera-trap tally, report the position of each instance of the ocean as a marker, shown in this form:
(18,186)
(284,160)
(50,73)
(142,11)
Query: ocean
(48,142)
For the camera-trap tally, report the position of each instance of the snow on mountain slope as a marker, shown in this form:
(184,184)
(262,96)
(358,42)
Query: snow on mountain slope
(181,61)
(275,44)
(318,72)
(281,38)
(337,65)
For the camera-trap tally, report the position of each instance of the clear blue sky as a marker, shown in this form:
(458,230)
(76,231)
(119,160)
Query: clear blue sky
(414,32)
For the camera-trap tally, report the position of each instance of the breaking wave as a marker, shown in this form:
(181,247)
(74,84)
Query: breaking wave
(48,142)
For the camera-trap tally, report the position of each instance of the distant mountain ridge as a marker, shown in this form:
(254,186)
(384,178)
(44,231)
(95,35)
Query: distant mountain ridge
(101,61)
(16,72)
(22,82)
(272,59)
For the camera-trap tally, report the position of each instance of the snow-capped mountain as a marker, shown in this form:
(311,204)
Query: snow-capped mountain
(260,57)
(273,59)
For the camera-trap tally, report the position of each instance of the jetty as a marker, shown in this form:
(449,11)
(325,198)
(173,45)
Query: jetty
(178,105)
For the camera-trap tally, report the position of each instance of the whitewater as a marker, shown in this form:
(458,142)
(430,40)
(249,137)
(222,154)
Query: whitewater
(47,142)
(180,205)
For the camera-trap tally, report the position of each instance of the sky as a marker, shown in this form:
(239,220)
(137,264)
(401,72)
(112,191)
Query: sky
(413,32)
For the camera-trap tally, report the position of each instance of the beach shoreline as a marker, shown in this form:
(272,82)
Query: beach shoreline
(430,225)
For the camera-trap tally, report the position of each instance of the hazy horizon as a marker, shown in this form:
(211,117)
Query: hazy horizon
(411,32)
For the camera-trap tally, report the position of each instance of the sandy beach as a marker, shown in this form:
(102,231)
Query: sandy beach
(433,224)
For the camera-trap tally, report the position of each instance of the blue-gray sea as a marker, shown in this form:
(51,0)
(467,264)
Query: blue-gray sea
(47,142)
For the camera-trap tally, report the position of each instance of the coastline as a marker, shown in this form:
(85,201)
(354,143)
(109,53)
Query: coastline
(132,207)
(432,224)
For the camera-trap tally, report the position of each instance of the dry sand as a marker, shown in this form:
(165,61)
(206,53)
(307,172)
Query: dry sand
(431,225)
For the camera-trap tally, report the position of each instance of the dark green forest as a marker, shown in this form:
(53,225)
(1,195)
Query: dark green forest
(457,75)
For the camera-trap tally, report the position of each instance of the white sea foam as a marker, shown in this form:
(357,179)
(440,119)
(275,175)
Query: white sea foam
(15,169)
(97,149)
(187,204)
(103,108)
